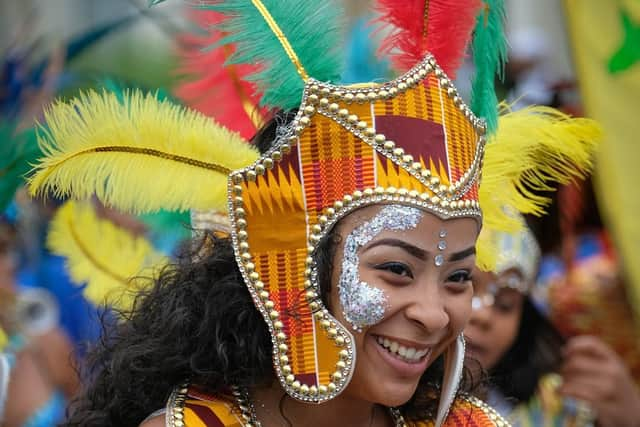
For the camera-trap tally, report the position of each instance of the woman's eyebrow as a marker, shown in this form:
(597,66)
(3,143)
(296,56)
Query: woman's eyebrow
(458,256)
(408,247)
(419,252)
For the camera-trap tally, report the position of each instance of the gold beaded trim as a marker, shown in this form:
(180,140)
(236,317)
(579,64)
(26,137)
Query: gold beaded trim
(175,406)
(493,415)
(444,203)
(341,337)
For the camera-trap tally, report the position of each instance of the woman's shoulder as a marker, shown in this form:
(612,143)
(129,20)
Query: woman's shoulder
(192,406)
(469,411)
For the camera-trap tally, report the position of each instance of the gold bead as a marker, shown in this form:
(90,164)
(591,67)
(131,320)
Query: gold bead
(442,188)
(389,145)
(370,132)
(338,205)
(426,173)
(337,376)
(295,385)
(324,102)
(339,341)
(325,324)
(309,110)
(276,155)
(402,86)
(285,148)
(314,306)
(273,314)
(316,228)
(278,325)
(331,387)
(259,169)
(241,223)
(313,98)
(407,158)
(268,163)
(240,213)
(251,175)
(435,200)
(393,91)
(357,195)
(254,276)
(280,336)
(264,295)
(332,332)
(383,93)
(242,235)
(391,190)
(334,107)
(283,348)
(343,113)
(269,304)
(353,119)
(325,91)
(290,379)
(286,369)
(372,96)
(368,192)
(380,138)
(244,246)
(341,365)
(399,151)
(434,180)
(322,219)
(348,97)
(344,354)
(304,389)
(313,390)
(322,389)
(361,125)
(305,121)
(330,212)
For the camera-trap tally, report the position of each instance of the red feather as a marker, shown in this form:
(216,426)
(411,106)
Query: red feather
(441,27)
(213,89)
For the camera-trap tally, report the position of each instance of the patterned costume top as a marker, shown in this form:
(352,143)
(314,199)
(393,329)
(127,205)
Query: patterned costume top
(190,407)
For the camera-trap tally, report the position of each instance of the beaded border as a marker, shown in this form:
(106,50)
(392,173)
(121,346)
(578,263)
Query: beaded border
(175,406)
(493,415)
(443,203)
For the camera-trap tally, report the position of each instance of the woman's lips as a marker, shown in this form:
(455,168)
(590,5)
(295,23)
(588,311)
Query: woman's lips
(406,360)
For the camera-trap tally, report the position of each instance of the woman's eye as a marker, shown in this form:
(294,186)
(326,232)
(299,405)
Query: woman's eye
(396,268)
(460,276)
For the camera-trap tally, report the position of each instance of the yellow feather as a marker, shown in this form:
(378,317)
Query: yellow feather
(4,339)
(138,154)
(102,255)
(533,149)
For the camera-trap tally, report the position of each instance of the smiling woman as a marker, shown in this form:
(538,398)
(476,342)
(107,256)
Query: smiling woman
(339,295)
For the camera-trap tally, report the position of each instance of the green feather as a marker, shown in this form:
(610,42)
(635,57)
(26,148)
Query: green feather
(489,56)
(18,150)
(313,29)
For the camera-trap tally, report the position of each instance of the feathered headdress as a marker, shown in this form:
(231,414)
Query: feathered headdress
(411,141)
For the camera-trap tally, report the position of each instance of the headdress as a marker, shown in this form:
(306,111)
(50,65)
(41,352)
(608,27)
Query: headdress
(411,141)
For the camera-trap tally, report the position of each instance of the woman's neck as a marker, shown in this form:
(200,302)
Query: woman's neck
(274,408)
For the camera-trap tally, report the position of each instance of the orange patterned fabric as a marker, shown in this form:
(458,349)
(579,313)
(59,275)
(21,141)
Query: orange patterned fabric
(410,141)
(204,410)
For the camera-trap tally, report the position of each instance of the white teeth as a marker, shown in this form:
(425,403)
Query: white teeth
(410,354)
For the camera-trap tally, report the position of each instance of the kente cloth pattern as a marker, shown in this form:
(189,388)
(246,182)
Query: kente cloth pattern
(337,138)
(199,409)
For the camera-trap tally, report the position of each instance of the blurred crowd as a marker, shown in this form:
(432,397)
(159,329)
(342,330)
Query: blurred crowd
(564,349)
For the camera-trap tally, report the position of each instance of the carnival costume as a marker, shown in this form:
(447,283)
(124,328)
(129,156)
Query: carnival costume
(411,141)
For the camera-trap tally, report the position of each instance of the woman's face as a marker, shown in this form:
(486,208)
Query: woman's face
(401,282)
(495,320)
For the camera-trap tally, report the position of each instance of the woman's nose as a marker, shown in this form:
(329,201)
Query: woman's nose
(429,312)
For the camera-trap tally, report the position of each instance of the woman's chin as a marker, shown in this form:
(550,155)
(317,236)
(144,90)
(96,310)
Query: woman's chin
(394,395)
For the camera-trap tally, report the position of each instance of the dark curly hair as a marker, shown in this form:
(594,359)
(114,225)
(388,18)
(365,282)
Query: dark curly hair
(198,323)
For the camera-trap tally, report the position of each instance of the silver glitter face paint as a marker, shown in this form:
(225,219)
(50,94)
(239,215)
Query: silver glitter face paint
(362,304)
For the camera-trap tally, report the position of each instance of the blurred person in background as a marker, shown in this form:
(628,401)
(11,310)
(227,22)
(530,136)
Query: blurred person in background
(40,368)
(537,376)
